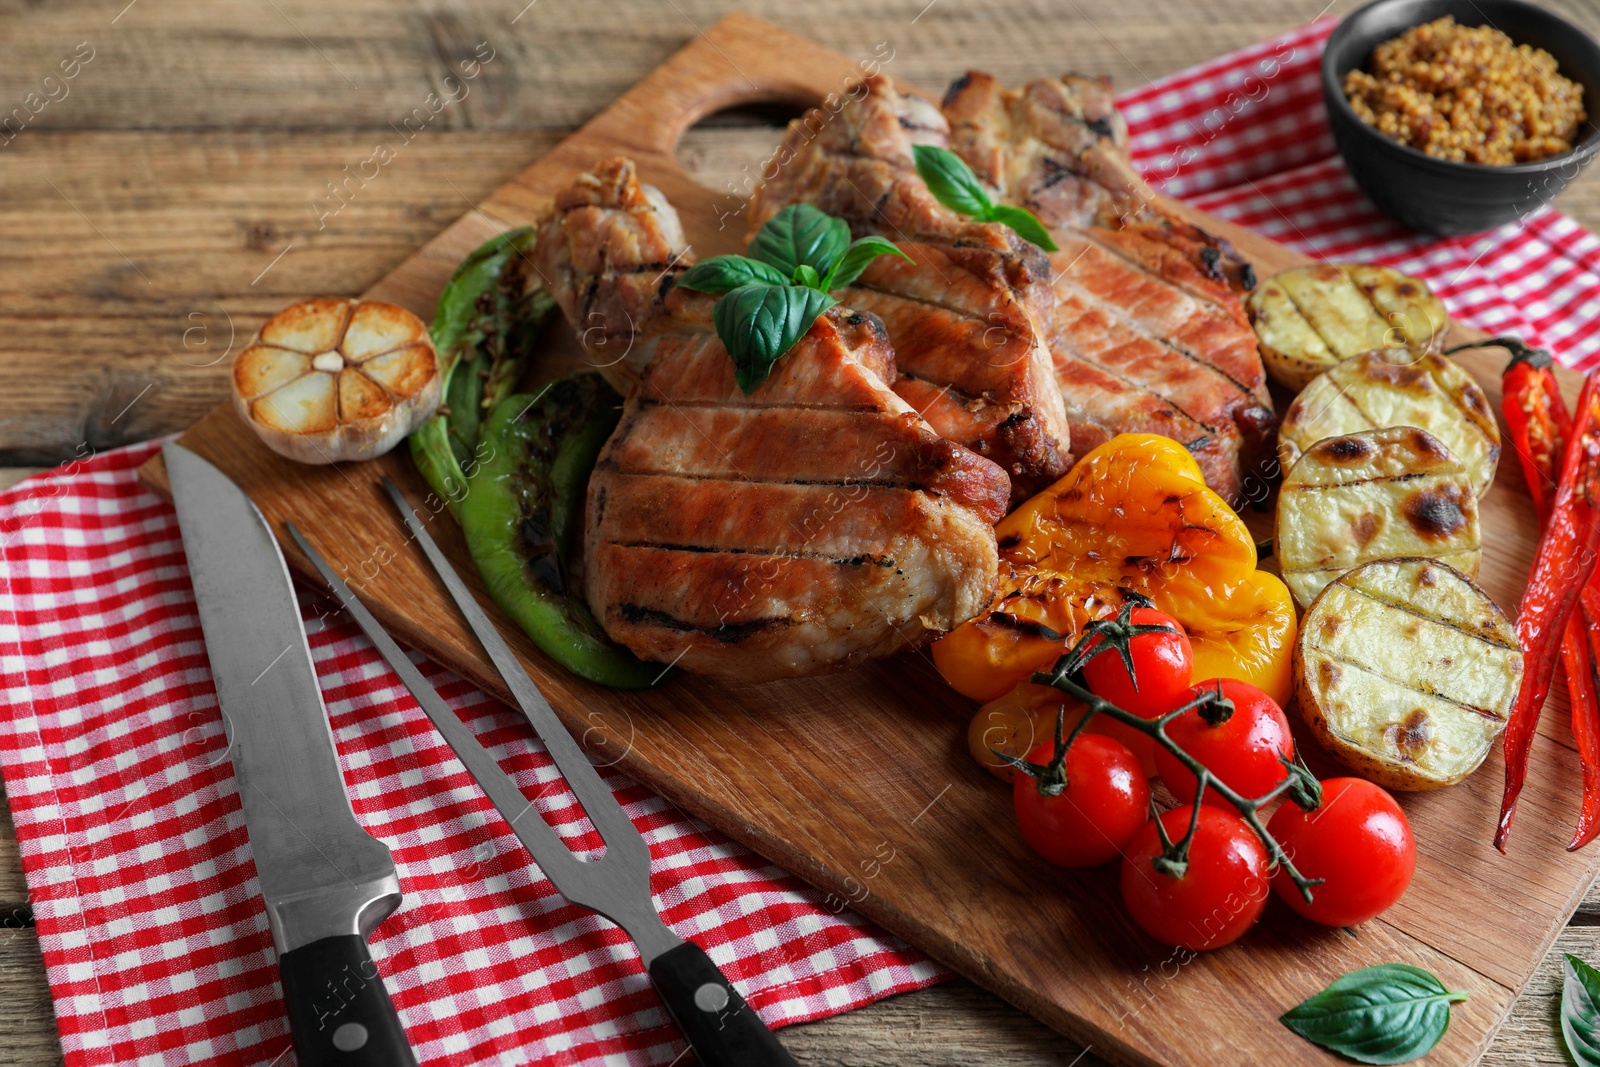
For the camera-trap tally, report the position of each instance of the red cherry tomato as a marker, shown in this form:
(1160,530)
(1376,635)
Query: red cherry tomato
(1163,666)
(1220,895)
(1358,840)
(1243,751)
(1105,801)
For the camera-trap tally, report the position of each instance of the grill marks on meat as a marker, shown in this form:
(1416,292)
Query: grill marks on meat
(1052,146)
(809,526)
(610,254)
(1148,333)
(966,316)
(812,525)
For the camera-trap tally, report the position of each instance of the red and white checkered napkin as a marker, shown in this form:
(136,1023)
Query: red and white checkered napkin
(135,849)
(139,864)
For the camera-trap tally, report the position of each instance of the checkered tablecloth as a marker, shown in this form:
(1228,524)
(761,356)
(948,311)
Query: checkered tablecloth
(138,863)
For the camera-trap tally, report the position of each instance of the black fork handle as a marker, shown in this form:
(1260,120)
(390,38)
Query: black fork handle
(722,1029)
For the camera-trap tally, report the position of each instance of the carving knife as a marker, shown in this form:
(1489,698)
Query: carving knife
(327,882)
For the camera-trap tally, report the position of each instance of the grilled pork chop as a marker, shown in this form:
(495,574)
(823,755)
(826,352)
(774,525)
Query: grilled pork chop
(966,315)
(816,523)
(1148,334)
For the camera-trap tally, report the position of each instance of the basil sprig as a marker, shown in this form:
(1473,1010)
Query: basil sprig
(1391,1013)
(768,299)
(1580,1011)
(953,184)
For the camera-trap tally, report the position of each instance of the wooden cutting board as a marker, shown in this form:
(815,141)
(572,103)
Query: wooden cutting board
(860,782)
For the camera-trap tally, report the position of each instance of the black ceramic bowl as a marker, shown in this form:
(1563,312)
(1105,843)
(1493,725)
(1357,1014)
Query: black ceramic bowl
(1439,195)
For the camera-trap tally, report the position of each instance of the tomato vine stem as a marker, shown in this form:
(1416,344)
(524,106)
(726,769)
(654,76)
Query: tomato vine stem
(1107,634)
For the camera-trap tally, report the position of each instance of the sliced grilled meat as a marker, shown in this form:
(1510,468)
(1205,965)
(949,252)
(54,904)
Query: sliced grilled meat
(1053,146)
(1059,147)
(812,525)
(1149,334)
(610,254)
(965,316)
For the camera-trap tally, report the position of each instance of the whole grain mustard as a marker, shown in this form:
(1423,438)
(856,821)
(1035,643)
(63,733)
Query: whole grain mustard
(1468,94)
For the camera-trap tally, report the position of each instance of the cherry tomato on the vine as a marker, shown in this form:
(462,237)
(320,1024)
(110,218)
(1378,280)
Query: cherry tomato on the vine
(1163,666)
(1220,894)
(1358,840)
(1015,727)
(1245,751)
(1104,802)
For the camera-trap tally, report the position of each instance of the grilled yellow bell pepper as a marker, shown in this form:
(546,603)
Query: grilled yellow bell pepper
(1134,515)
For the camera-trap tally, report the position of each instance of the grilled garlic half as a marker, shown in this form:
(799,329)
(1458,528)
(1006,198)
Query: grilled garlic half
(331,380)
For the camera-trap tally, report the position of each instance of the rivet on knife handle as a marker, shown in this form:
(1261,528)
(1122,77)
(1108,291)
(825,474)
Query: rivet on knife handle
(339,1011)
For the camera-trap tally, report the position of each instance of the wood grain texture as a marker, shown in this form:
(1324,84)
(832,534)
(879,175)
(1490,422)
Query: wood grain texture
(141,208)
(198,137)
(827,776)
(957,1025)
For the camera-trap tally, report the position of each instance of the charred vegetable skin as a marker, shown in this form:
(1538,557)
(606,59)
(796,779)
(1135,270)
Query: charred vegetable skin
(1539,424)
(524,513)
(1134,519)
(1562,568)
(487,320)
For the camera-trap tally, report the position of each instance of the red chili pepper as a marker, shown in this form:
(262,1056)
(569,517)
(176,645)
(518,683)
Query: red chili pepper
(1539,422)
(1562,568)
(1578,662)
(1536,415)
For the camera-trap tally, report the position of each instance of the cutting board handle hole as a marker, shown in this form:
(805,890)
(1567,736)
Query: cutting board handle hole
(727,150)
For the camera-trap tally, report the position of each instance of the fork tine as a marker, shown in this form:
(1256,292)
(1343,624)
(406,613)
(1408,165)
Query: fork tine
(599,803)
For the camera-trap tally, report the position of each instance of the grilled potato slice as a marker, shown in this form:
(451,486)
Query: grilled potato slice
(1396,388)
(330,380)
(1405,672)
(1309,318)
(1373,495)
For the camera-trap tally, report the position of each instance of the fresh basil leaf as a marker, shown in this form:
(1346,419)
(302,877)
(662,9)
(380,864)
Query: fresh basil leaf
(953,184)
(805,274)
(1580,1011)
(950,180)
(723,274)
(800,233)
(759,323)
(1391,1013)
(1024,222)
(861,252)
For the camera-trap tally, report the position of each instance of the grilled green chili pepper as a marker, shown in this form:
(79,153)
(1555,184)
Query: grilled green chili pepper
(524,514)
(484,328)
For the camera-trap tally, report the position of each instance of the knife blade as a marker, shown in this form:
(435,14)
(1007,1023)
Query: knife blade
(327,882)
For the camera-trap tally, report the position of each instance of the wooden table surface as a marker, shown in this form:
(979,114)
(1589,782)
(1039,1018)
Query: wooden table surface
(174,193)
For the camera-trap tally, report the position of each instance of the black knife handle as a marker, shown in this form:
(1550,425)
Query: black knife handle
(723,1030)
(339,1012)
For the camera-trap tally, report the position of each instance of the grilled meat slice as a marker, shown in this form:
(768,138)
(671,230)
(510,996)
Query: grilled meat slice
(1148,334)
(1119,376)
(610,253)
(966,315)
(1053,146)
(1058,147)
(812,525)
